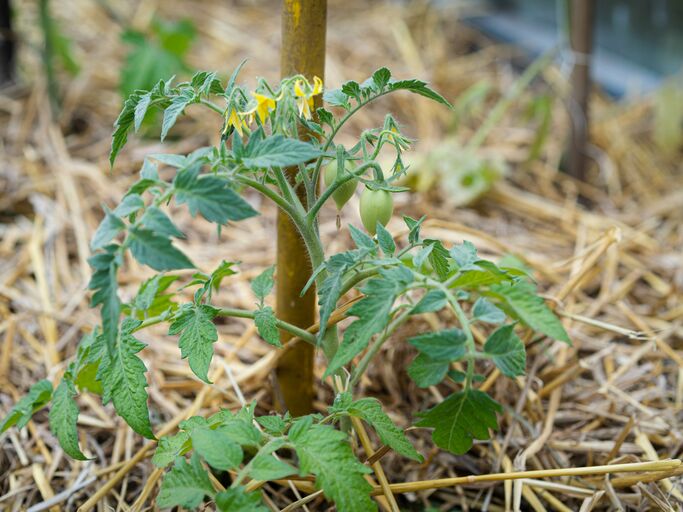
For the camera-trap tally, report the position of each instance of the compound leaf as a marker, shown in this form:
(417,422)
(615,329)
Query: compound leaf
(198,333)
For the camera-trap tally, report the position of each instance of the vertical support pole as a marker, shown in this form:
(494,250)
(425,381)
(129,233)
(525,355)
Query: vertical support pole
(582,18)
(7,43)
(303,52)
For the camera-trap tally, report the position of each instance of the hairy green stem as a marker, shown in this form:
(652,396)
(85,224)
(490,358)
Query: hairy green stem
(241,313)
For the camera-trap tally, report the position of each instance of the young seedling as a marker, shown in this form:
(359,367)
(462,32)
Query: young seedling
(397,281)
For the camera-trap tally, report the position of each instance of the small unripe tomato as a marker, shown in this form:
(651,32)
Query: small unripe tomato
(345,192)
(375,206)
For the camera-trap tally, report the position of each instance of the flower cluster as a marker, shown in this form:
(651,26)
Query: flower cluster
(295,92)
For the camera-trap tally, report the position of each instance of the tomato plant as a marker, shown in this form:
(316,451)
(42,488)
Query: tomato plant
(398,280)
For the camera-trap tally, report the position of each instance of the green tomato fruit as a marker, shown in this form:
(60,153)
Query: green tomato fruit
(375,206)
(342,195)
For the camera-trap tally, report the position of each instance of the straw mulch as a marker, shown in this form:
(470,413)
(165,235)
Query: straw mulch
(610,264)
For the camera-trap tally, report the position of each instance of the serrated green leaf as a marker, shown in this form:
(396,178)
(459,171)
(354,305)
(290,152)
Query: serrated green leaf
(122,126)
(433,300)
(461,418)
(85,368)
(439,259)
(507,351)
(266,324)
(362,239)
(172,112)
(185,485)
(325,452)
(373,312)
(524,304)
(337,98)
(446,345)
(236,499)
(156,251)
(217,448)
(426,371)
(381,78)
(274,425)
(105,266)
(171,447)
(37,397)
(198,333)
(157,221)
(122,374)
(386,241)
(239,427)
(110,226)
(279,151)
(465,255)
(266,467)
(484,311)
(131,203)
(63,417)
(418,87)
(263,284)
(370,410)
(414,228)
(211,196)
(141,109)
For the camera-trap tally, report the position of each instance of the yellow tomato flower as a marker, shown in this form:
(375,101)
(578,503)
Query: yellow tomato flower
(304,95)
(264,104)
(235,121)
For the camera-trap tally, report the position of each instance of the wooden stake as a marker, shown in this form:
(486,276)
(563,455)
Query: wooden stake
(582,16)
(303,51)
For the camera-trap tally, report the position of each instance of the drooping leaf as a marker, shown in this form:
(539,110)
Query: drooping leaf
(211,196)
(122,126)
(507,351)
(484,311)
(217,448)
(198,333)
(418,87)
(185,485)
(279,151)
(172,112)
(37,397)
(237,499)
(63,417)
(461,418)
(122,374)
(524,304)
(370,410)
(266,324)
(426,371)
(325,452)
(446,345)
(156,251)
